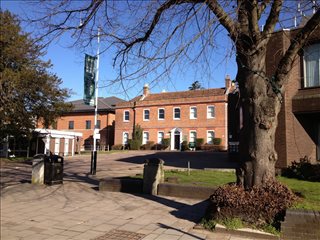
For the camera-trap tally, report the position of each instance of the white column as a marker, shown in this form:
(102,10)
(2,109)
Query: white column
(66,146)
(172,139)
(72,151)
(47,144)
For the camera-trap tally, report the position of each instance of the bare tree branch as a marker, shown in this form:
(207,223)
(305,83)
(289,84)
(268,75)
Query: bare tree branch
(253,18)
(223,18)
(296,44)
(273,18)
(262,7)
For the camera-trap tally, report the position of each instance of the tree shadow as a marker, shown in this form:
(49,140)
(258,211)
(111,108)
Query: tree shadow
(192,213)
(87,178)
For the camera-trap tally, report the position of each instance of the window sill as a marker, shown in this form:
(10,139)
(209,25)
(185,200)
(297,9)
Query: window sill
(309,88)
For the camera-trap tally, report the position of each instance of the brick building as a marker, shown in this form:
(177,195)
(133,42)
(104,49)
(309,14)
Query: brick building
(81,119)
(298,132)
(178,116)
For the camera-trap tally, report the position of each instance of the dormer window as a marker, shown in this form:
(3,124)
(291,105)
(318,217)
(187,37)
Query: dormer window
(312,66)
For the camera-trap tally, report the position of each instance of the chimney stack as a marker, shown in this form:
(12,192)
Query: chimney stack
(228,82)
(146,90)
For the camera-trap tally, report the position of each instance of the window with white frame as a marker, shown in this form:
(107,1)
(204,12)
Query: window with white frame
(210,136)
(126,116)
(71,124)
(88,124)
(160,137)
(161,115)
(125,138)
(193,112)
(312,65)
(145,137)
(193,136)
(176,113)
(146,115)
(210,112)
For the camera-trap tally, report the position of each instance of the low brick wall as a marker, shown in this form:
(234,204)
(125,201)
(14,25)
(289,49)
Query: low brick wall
(301,225)
(127,185)
(185,191)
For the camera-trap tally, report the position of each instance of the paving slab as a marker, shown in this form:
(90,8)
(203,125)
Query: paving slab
(76,210)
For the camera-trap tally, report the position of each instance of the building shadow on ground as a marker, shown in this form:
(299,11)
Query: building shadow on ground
(197,160)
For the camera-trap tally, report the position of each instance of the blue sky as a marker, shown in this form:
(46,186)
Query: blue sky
(68,64)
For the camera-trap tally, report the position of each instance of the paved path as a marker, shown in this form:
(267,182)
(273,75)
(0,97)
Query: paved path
(76,210)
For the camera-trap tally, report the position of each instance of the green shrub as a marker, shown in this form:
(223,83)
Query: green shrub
(136,141)
(199,143)
(184,146)
(147,146)
(166,142)
(117,147)
(134,144)
(217,141)
(303,170)
(259,206)
(158,146)
(211,147)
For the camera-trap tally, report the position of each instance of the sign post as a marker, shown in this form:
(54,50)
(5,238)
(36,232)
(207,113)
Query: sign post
(91,78)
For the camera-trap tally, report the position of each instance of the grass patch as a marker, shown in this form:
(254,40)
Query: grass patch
(232,223)
(16,159)
(236,223)
(270,229)
(202,178)
(309,192)
(208,224)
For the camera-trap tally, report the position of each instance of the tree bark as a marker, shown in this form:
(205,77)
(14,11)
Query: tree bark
(260,107)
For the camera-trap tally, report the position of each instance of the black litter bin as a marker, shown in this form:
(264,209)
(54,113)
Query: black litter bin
(53,170)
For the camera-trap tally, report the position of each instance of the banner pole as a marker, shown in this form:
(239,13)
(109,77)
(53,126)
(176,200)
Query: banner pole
(95,130)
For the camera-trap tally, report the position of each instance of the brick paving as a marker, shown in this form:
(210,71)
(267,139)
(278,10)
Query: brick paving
(76,210)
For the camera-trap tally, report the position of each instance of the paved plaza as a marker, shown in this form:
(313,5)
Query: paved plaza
(77,210)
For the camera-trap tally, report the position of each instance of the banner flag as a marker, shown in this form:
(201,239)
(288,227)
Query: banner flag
(90,68)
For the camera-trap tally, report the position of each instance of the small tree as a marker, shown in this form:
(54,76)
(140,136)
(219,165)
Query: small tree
(28,92)
(195,85)
(136,141)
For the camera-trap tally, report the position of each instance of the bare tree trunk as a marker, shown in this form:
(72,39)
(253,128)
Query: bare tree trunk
(260,107)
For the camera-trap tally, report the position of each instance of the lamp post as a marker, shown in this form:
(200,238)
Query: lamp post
(95,129)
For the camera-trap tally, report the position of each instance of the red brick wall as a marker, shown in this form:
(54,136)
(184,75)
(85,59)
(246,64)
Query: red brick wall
(106,127)
(201,124)
(292,140)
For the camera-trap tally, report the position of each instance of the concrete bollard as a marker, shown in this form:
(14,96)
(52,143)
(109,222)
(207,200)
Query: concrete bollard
(153,174)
